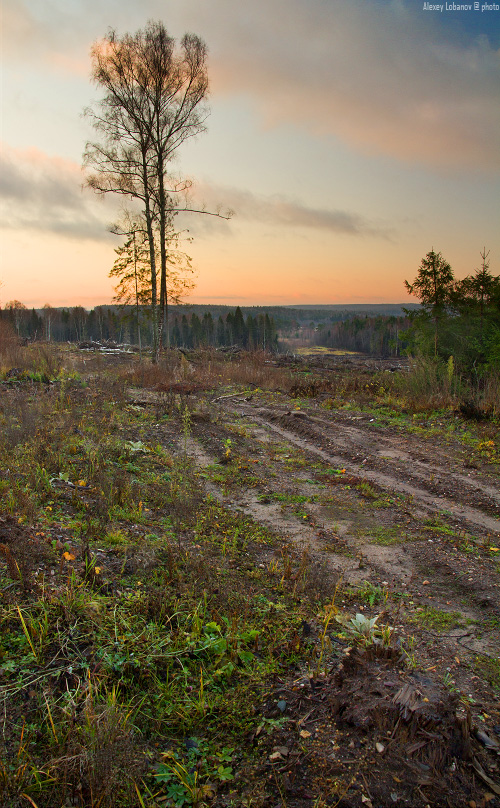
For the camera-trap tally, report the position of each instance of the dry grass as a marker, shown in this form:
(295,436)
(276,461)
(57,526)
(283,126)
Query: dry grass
(100,755)
(430,385)
(434,384)
(12,354)
(206,369)
(490,394)
(43,358)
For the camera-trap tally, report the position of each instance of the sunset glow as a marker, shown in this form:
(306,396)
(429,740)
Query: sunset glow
(349,137)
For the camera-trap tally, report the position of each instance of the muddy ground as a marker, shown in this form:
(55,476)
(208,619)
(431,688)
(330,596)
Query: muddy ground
(409,518)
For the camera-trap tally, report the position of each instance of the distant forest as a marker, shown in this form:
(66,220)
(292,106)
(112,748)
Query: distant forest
(374,329)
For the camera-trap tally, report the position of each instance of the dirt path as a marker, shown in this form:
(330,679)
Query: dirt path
(406,516)
(388,460)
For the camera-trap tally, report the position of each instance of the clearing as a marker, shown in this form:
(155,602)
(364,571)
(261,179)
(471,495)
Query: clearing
(243,581)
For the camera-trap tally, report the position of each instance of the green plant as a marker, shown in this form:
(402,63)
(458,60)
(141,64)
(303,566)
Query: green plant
(369,593)
(183,781)
(449,682)
(489,669)
(409,653)
(363,628)
(435,619)
(228,449)
(36,632)
(330,612)
(367,490)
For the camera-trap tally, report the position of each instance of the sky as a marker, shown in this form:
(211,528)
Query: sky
(350,137)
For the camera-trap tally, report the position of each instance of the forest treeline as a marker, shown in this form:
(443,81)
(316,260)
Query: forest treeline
(455,318)
(103,323)
(381,336)
(254,329)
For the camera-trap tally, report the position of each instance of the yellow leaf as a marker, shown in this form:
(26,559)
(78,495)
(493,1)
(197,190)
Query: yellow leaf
(304,733)
(82,483)
(69,556)
(495,549)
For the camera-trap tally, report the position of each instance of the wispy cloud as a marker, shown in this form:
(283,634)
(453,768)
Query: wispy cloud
(45,193)
(39,192)
(280,211)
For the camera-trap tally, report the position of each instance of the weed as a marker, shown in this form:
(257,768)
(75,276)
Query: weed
(435,619)
(116,537)
(367,490)
(330,613)
(489,669)
(386,536)
(20,776)
(437,525)
(368,593)
(409,653)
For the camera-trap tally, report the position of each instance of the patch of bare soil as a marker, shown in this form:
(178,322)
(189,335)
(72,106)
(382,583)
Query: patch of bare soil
(392,461)
(373,733)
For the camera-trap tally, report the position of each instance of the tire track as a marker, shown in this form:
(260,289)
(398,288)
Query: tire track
(452,492)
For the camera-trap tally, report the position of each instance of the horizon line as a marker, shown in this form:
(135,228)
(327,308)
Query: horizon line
(218,303)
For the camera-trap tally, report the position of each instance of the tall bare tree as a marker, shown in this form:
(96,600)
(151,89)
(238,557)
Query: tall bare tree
(154,100)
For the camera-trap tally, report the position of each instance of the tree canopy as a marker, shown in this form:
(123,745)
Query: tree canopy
(154,100)
(459,318)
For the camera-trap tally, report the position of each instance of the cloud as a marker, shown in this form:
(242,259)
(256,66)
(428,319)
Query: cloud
(280,211)
(44,193)
(39,192)
(383,77)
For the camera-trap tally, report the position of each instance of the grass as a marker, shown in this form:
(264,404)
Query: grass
(435,619)
(367,593)
(488,669)
(208,370)
(387,536)
(319,349)
(134,610)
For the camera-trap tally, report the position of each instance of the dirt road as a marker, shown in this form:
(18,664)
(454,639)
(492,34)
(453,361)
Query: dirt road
(406,510)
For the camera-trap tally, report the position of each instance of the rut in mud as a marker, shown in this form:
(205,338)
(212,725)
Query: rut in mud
(423,508)
(391,462)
